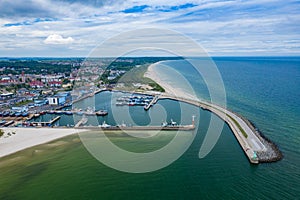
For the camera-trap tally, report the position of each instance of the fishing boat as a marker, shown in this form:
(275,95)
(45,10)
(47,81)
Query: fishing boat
(68,113)
(101,113)
(42,112)
(104,125)
(12,114)
(120,103)
(79,112)
(59,112)
(5,114)
(2,122)
(25,114)
(18,114)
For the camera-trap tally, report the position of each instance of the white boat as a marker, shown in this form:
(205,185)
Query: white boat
(104,125)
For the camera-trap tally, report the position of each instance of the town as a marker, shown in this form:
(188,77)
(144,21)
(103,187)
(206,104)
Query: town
(33,86)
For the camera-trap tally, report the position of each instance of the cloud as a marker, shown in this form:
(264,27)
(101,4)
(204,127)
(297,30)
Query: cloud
(58,39)
(21,8)
(220,25)
(28,22)
(135,9)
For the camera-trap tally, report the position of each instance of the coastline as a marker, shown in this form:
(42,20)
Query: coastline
(18,139)
(257,147)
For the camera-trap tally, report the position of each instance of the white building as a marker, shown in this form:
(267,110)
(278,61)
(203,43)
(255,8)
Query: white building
(56,100)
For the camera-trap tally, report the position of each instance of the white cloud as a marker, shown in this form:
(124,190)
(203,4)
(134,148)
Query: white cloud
(58,39)
(220,25)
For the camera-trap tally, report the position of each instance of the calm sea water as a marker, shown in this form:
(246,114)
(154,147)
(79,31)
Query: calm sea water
(265,90)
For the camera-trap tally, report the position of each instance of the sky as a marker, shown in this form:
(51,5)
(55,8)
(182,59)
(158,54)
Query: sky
(72,28)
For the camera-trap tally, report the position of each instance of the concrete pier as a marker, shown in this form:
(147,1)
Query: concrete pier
(139,128)
(45,123)
(81,122)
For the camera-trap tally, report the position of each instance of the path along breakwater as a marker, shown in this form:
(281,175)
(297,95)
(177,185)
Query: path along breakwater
(256,146)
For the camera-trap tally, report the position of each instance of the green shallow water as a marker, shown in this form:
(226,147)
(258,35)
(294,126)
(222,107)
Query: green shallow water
(64,169)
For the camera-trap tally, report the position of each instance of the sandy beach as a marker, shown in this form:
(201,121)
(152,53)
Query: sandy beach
(17,139)
(169,90)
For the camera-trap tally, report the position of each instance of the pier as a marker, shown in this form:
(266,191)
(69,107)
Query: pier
(45,123)
(154,100)
(81,122)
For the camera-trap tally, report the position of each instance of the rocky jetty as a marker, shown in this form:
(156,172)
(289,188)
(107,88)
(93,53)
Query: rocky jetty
(272,154)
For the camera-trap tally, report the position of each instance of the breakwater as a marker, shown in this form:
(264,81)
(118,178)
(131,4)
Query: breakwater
(255,145)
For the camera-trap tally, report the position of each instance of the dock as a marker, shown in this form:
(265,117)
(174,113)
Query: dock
(173,126)
(8,123)
(154,101)
(81,122)
(45,123)
(139,128)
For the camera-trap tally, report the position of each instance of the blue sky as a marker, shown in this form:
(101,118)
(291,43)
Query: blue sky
(221,27)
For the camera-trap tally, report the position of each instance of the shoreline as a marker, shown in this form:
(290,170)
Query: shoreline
(17,139)
(256,146)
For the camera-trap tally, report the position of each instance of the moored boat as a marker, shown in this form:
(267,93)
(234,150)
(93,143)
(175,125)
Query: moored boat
(101,113)
(5,114)
(12,114)
(24,114)
(68,113)
(18,114)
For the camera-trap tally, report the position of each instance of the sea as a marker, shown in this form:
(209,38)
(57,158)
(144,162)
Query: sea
(265,90)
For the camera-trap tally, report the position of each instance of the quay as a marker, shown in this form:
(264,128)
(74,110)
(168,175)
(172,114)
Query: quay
(139,128)
(165,126)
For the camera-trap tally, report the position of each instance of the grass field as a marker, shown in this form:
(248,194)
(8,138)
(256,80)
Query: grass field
(136,75)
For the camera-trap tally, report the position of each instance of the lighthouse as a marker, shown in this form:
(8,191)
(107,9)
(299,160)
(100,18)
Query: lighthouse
(193,120)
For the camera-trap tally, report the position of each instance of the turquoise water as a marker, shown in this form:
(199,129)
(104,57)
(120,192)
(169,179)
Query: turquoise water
(265,90)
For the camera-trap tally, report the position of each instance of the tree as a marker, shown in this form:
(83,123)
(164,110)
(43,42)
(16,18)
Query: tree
(1,133)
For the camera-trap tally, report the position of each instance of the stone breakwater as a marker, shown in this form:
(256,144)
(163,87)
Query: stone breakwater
(273,153)
(257,147)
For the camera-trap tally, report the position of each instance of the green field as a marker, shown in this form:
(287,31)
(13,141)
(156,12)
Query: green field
(136,75)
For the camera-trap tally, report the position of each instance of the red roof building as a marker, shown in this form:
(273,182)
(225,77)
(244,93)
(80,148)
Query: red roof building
(36,84)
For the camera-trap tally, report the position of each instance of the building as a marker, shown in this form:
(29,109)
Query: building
(20,108)
(36,84)
(54,83)
(6,96)
(38,103)
(58,99)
